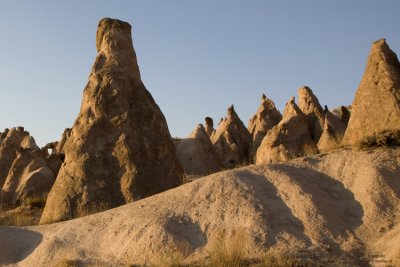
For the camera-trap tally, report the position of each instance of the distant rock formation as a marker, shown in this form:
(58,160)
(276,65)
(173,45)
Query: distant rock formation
(309,105)
(28,173)
(376,106)
(332,134)
(197,154)
(343,113)
(287,140)
(232,140)
(31,176)
(119,149)
(266,117)
(209,126)
(11,141)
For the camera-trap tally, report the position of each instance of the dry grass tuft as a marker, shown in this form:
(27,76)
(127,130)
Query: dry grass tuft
(386,138)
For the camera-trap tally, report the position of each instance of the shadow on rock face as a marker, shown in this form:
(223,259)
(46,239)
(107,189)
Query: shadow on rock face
(186,234)
(17,244)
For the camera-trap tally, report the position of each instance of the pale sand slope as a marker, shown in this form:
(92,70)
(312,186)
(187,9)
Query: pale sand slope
(345,202)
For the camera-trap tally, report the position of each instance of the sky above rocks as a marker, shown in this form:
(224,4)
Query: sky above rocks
(196,57)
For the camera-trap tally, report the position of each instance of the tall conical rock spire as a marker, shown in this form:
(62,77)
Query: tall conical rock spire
(266,117)
(232,140)
(376,106)
(119,149)
(315,115)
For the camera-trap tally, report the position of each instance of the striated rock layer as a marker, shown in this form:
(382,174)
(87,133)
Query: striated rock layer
(119,149)
(376,106)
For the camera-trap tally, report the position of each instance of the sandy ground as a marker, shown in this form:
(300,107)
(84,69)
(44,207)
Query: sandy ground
(345,204)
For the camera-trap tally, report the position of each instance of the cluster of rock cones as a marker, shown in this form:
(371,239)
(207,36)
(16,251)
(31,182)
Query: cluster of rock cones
(305,128)
(119,149)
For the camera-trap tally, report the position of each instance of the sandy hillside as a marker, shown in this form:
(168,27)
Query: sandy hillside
(345,203)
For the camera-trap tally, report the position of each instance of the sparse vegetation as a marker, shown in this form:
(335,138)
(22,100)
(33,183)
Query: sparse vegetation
(231,253)
(27,213)
(386,138)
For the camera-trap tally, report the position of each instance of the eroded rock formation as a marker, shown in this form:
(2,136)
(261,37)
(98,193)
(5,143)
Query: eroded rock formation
(310,106)
(376,106)
(29,171)
(119,149)
(209,128)
(12,140)
(266,117)
(232,140)
(197,154)
(332,134)
(287,140)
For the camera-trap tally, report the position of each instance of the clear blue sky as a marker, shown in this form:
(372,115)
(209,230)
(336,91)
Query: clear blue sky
(196,57)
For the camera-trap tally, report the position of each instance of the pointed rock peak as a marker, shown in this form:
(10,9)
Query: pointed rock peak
(209,121)
(108,25)
(315,115)
(291,109)
(114,45)
(380,44)
(308,102)
(231,110)
(381,52)
(199,132)
(267,103)
(263,97)
(266,117)
(376,106)
(209,126)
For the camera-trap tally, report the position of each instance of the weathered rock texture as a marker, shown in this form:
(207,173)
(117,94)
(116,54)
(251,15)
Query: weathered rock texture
(197,154)
(119,149)
(27,171)
(343,113)
(287,140)
(60,145)
(266,117)
(332,134)
(324,207)
(232,140)
(31,177)
(12,140)
(376,106)
(309,104)
(209,126)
